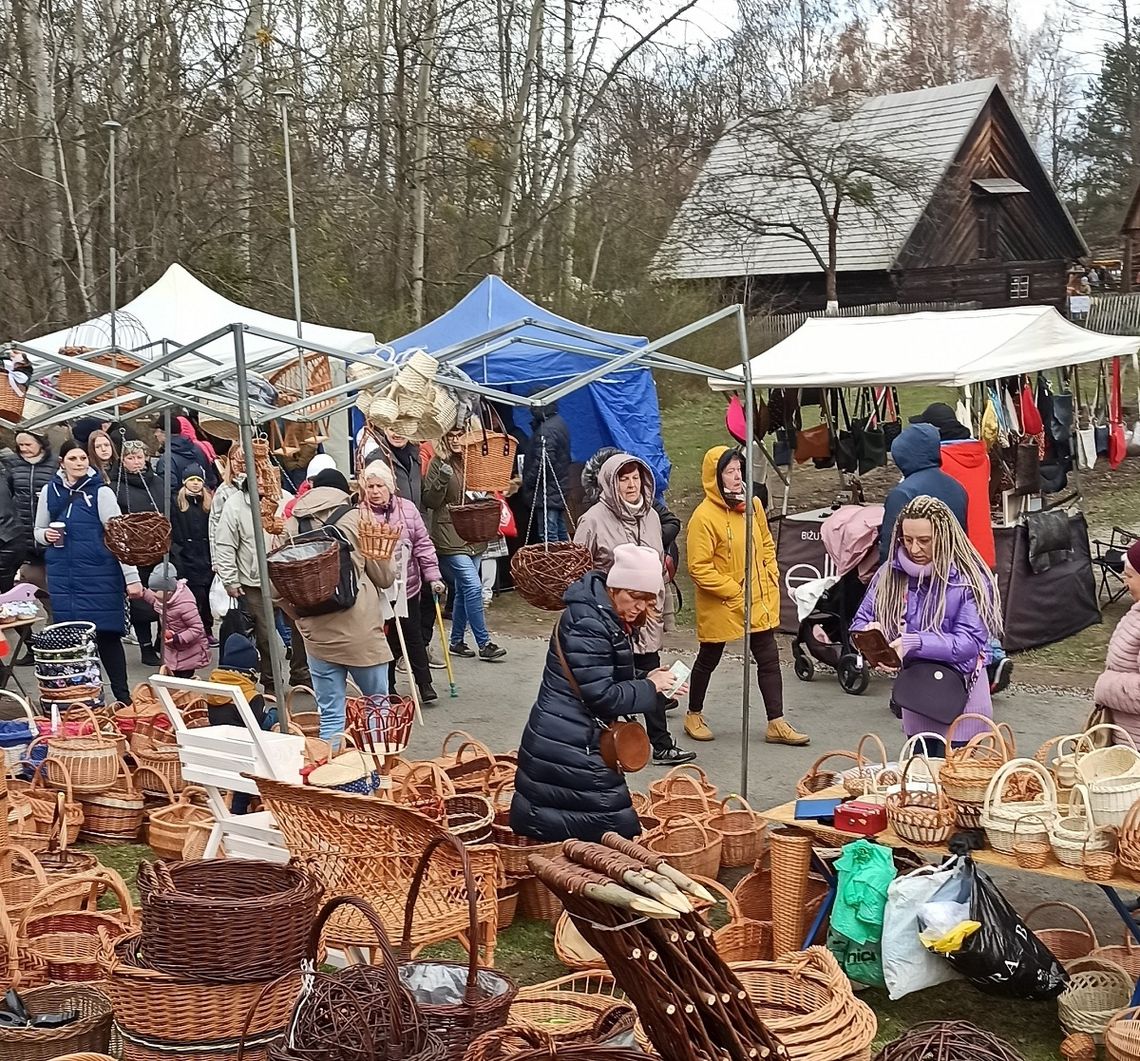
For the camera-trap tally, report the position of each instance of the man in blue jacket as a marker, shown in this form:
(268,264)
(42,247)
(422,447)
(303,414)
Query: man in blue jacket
(917,452)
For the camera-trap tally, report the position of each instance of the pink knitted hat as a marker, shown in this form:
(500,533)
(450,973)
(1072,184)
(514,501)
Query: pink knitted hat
(636,568)
(1133,554)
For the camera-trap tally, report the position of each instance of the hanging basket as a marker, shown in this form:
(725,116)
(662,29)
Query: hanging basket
(139,538)
(318,380)
(377,540)
(488,456)
(543,573)
(305,573)
(74,383)
(476,522)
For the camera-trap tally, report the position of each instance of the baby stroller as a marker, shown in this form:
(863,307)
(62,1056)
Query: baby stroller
(851,538)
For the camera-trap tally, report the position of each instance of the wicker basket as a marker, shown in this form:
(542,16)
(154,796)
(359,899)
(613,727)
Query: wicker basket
(230,921)
(1097,989)
(1122,1035)
(1126,955)
(1059,756)
(508,904)
(866,777)
(537,902)
(514,850)
(160,760)
(486,993)
(115,816)
(1114,760)
(1128,842)
(664,788)
(572,949)
(743,833)
(1111,798)
(1065,944)
(488,456)
(1030,851)
(969,770)
(1000,816)
(684,794)
(542,573)
(922,818)
(74,383)
(1069,835)
(817,779)
(139,538)
(580,1007)
(168,826)
(469,816)
(318,379)
(90,1033)
(1099,863)
(17,733)
(272,520)
(305,573)
(375,539)
(688,845)
(476,522)
(45,804)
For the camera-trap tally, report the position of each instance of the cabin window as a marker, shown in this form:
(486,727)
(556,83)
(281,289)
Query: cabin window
(1019,287)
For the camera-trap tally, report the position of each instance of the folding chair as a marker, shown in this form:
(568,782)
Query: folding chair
(1108,558)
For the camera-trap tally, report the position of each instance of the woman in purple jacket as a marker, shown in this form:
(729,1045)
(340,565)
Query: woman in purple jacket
(379,487)
(936,600)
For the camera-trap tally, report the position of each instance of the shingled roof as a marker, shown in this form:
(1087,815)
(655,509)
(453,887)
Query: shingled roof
(925,130)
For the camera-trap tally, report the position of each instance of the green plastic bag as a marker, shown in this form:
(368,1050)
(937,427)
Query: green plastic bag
(862,962)
(865,872)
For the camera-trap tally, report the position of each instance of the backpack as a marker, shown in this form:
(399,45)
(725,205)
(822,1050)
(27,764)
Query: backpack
(347,587)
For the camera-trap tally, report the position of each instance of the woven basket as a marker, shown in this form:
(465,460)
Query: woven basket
(469,817)
(744,940)
(161,761)
(1122,1035)
(17,733)
(663,787)
(1111,798)
(90,1033)
(1128,842)
(1065,944)
(1000,816)
(537,902)
(44,804)
(161,1007)
(514,850)
(1119,759)
(572,949)
(542,573)
(375,539)
(168,826)
(688,846)
(684,794)
(1099,863)
(1126,955)
(305,573)
(115,816)
(488,458)
(90,762)
(318,379)
(911,746)
(866,777)
(139,538)
(487,994)
(817,779)
(74,383)
(580,1007)
(743,833)
(922,818)
(272,521)
(476,522)
(508,905)
(1069,834)
(1030,851)
(969,770)
(1061,763)
(1097,989)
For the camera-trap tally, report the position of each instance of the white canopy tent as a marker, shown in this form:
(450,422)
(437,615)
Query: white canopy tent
(952,349)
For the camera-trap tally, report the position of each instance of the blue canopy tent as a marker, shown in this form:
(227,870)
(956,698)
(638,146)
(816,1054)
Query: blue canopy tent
(503,340)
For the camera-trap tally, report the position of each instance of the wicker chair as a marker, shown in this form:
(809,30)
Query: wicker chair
(357,845)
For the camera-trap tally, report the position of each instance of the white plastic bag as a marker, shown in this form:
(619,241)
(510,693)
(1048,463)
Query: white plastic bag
(220,601)
(907,965)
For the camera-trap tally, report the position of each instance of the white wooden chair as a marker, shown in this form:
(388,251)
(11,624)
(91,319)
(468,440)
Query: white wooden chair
(216,757)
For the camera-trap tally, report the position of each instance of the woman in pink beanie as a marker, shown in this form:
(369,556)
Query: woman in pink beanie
(1118,688)
(563,788)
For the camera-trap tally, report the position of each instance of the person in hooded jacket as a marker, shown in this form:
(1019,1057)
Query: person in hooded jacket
(184,647)
(717,565)
(29,470)
(564,790)
(350,641)
(85,580)
(918,453)
(190,542)
(138,489)
(549,429)
(625,514)
(183,449)
(11,537)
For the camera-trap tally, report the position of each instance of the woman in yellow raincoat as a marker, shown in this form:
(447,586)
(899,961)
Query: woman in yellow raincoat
(716,559)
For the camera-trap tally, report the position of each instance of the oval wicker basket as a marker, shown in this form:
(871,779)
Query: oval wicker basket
(999,815)
(476,522)
(305,573)
(662,787)
(1065,944)
(89,1035)
(542,573)
(688,846)
(817,779)
(922,818)
(139,538)
(74,383)
(867,777)
(91,761)
(969,769)
(743,833)
(1096,991)
(115,816)
(1070,835)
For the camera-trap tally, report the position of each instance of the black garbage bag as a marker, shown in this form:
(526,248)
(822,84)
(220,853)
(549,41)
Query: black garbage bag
(1004,957)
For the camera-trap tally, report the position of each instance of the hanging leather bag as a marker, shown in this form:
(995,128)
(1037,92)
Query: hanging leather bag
(1027,468)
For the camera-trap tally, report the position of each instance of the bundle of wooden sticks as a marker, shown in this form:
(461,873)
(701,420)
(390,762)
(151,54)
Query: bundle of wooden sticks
(637,912)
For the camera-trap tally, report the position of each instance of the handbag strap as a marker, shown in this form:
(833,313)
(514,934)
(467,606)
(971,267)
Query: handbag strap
(556,641)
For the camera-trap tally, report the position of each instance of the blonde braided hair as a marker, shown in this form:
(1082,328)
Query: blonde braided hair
(951,549)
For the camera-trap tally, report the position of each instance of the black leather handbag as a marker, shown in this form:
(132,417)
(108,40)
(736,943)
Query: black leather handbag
(933,690)
(1050,539)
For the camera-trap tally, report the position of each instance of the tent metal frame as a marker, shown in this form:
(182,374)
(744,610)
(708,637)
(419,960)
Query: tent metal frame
(161,389)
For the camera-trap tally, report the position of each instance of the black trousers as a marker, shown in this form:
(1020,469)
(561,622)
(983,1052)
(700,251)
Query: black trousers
(427,615)
(765,652)
(656,722)
(114,659)
(413,636)
(201,593)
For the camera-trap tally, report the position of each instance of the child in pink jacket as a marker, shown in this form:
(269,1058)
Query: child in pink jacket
(185,647)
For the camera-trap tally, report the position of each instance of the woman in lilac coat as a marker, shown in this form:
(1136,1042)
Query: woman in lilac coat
(379,487)
(936,600)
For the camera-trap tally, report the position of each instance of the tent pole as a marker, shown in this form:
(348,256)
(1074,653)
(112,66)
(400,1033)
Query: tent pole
(749,452)
(166,485)
(245,427)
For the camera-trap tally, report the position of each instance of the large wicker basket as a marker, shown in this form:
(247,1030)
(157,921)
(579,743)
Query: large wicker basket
(922,818)
(488,458)
(74,383)
(139,538)
(476,522)
(542,573)
(305,573)
(318,379)
(688,845)
(1096,991)
(89,1033)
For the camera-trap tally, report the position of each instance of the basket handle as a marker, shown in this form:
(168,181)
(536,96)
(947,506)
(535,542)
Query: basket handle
(735,797)
(995,733)
(670,783)
(860,762)
(441,784)
(478,751)
(1091,835)
(908,749)
(40,771)
(165,784)
(683,818)
(814,769)
(687,769)
(1068,908)
(23,704)
(995,790)
(943,802)
(95,878)
(81,711)
(1083,792)
(732,904)
(30,858)
(471,993)
(443,752)
(1086,737)
(1028,818)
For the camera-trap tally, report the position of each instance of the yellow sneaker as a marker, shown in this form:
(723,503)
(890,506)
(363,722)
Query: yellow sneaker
(696,727)
(781,731)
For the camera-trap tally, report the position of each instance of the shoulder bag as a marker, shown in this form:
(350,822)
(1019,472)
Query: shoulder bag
(934,690)
(624,745)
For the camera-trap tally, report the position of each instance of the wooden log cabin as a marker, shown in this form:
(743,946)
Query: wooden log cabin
(968,215)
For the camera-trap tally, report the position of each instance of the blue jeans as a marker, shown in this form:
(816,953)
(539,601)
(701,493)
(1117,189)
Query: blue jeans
(555,527)
(467,608)
(330,683)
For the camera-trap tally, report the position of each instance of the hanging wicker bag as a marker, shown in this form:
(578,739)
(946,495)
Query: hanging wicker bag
(866,777)
(999,815)
(543,572)
(1065,943)
(922,818)
(376,539)
(688,845)
(305,573)
(115,816)
(139,538)
(488,457)
(476,522)
(743,832)
(1097,989)
(817,779)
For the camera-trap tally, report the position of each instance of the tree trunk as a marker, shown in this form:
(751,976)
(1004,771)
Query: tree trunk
(419,160)
(569,188)
(832,262)
(80,195)
(514,144)
(245,88)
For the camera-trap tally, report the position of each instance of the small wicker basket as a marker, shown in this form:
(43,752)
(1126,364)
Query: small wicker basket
(139,538)
(377,540)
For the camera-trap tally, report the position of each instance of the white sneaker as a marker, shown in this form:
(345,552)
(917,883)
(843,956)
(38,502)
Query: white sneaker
(435,661)
(402,665)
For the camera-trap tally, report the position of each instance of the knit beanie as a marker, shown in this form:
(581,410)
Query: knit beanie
(239,653)
(164,578)
(330,477)
(320,463)
(1133,554)
(380,470)
(636,568)
(194,471)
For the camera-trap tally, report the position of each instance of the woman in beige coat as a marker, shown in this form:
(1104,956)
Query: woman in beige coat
(624,514)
